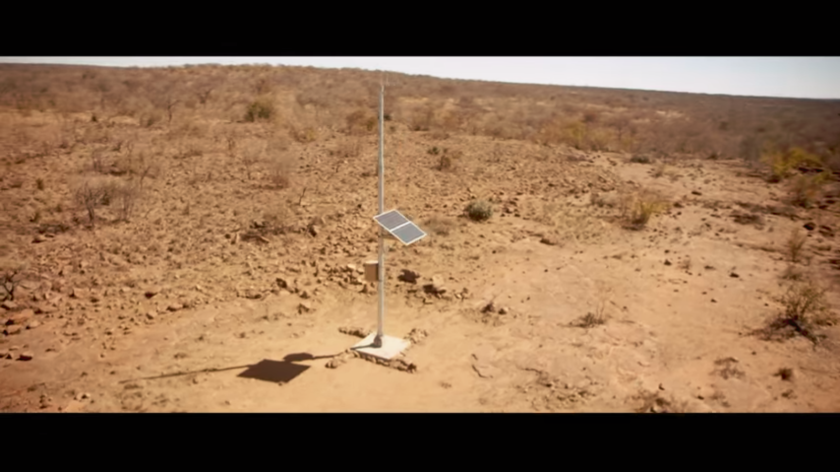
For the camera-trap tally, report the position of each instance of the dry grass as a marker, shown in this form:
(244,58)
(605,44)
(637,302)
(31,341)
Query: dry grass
(441,225)
(785,164)
(807,189)
(638,208)
(795,244)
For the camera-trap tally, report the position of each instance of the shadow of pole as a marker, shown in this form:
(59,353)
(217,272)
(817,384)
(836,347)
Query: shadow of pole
(290,358)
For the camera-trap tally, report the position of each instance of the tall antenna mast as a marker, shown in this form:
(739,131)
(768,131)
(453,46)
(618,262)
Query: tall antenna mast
(377,341)
(381,346)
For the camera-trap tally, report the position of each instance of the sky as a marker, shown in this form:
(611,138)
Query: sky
(793,77)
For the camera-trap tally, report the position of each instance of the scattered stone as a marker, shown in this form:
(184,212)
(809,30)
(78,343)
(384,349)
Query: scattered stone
(416,335)
(489,308)
(25,356)
(20,318)
(437,286)
(409,276)
(403,366)
(33,324)
(353,331)
(337,361)
(9,305)
(11,330)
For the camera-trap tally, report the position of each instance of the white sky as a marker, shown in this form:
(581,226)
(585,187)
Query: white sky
(798,77)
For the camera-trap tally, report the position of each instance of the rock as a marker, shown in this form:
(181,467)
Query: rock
(25,356)
(39,239)
(175,307)
(313,230)
(549,241)
(810,226)
(734,275)
(21,317)
(437,286)
(353,331)
(79,293)
(489,308)
(282,283)
(33,324)
(409,276)
(9,305)
(503,311)
(150,315)
(350,268)
(695,192)
(304,307)
(151,292)
(667,262)
(10,330)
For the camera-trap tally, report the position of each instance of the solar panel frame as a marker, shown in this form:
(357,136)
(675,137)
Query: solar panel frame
(400,227)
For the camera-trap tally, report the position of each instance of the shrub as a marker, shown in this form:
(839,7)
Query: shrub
(784,164)
(92,193)
(260,109)
(638,209)
(440,225)
(448,159)
(479,210)
(794,245)
(806,189)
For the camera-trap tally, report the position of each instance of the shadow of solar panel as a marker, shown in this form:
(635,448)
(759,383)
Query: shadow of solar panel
(391,220)
(408,233)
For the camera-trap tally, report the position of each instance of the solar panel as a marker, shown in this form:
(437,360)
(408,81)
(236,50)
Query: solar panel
(391,220)
(398,225)
(408,233)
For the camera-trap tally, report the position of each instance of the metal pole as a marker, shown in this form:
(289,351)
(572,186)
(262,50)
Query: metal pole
(377,342)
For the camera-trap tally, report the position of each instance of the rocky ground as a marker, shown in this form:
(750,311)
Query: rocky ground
(226,294)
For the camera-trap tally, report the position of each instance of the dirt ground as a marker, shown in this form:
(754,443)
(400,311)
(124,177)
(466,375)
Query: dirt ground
(192,308)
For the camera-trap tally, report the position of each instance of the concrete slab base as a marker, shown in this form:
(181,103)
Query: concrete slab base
(391,347)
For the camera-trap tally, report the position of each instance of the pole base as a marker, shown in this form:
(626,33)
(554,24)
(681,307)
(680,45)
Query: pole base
(390,348)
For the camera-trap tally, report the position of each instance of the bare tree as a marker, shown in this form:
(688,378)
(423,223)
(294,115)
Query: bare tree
(166,96)
(90,194)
